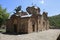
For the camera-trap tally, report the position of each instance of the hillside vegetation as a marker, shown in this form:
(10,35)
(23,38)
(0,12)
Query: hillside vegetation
(55,20)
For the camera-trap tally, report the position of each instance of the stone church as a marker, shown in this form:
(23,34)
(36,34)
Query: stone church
(27,22)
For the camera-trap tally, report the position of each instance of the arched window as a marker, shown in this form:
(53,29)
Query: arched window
(39,21)
(43,24)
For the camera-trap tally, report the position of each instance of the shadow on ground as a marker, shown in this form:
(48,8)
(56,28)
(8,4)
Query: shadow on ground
(58,38)
(13,33)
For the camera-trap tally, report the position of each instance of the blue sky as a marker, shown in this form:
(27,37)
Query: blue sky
(50,6)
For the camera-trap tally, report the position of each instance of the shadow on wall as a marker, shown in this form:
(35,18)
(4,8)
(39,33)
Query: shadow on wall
(58,37)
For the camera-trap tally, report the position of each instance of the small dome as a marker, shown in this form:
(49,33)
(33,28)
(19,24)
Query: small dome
(33,8)
(36,7)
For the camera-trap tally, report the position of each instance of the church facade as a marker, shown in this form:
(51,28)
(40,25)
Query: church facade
(27,22)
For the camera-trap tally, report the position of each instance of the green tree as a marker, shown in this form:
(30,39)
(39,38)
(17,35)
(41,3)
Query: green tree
(55,20)
(3,15)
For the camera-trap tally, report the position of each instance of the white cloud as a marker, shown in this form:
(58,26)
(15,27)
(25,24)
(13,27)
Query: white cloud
(42,1)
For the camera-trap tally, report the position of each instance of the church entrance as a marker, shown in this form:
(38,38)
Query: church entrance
(33,26)
(15,28)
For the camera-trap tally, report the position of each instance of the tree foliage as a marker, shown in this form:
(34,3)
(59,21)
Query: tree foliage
(3,15)
(55,20)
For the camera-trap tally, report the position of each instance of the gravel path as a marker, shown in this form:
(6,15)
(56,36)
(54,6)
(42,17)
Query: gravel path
(50,34)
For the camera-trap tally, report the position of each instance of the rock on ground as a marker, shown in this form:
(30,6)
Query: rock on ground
(50,34)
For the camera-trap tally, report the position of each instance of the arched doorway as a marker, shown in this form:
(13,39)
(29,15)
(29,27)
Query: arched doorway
(15,25)
(15,28)
(33,26)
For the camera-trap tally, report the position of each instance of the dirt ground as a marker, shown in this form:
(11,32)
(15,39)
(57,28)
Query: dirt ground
(50,34)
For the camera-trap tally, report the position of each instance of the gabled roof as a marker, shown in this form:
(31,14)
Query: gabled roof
(23,14)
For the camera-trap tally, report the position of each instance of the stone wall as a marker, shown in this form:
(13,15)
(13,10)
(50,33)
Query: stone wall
(36,22)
